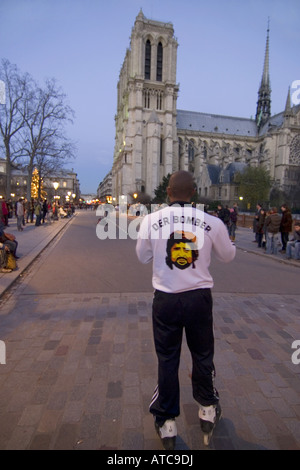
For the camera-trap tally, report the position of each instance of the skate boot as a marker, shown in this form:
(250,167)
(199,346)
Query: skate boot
(209,417)
(167,432)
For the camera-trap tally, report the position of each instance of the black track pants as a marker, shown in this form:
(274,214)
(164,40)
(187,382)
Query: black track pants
(171,314)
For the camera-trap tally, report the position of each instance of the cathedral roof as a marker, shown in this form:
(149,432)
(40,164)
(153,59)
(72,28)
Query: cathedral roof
(213,123)
(272,122)
(232,169)
(216,171)
(213,172)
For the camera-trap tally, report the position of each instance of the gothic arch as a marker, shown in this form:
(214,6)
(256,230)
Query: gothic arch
(159,61)
(148,45)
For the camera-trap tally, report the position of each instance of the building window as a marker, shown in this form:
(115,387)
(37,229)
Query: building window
(159,100)
(147,99)
(161,151)
(191,152)
(148,60)
(159,64)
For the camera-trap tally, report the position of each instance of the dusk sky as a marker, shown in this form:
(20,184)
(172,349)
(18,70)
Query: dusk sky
(82,44)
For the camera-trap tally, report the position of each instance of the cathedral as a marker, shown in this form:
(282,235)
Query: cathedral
(153,138)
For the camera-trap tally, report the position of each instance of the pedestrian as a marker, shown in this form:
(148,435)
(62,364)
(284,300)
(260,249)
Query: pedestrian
(20,214)
(178,240)
(255,220)
(5,212)
(273,221)
(285,226)
(293,245)
(260,227)
(49,212)
(38,213)
(233,222)
(44,210)
(224,214)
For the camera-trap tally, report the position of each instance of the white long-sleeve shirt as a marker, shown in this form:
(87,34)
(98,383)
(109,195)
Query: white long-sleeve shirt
(179,241)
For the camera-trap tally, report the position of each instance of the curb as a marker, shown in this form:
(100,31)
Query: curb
(26,261)
(290,262)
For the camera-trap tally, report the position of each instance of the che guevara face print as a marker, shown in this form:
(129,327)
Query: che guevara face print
(181,250)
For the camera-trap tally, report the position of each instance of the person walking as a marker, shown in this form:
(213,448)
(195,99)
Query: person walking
(5,212)
(255,220)
(20,214)
(38,213)
(272,223)
(260,227)
(178,240)
(233,222)
(285,226)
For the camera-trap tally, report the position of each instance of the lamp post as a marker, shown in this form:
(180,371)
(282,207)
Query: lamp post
(55,185)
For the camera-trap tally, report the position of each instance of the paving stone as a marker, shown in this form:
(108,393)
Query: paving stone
(85,381)
(114,389)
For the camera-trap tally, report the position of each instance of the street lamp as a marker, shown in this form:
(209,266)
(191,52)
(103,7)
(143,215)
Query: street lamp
(55,185)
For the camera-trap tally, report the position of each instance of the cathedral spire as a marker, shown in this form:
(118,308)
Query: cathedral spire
(288,109)
(263,109)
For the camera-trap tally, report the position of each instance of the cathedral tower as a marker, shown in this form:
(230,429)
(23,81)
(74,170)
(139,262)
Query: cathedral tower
(146,137)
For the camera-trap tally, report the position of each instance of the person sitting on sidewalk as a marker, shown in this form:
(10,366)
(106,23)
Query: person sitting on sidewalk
(294,244)
(8,244)
(273,221)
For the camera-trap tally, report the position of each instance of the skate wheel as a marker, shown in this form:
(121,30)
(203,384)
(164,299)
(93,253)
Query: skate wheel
(206,439)
(169,443)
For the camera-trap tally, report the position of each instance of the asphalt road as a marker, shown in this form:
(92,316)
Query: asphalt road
(79,262)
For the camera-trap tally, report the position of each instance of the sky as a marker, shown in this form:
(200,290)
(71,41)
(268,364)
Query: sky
(82,44)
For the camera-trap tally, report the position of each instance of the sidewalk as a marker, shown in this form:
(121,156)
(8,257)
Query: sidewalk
(31,242)
(245,241)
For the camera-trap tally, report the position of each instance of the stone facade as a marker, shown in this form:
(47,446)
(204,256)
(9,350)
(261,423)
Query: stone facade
(154,139)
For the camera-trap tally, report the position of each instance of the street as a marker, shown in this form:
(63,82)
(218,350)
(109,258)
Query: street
(81,368)
(79,262)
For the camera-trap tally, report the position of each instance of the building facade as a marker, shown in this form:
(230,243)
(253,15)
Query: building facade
(154,139)
(63,184)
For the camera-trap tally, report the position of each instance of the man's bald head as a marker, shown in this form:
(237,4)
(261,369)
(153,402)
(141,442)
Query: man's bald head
(181,186)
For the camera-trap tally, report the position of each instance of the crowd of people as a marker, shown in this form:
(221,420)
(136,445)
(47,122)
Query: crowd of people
(229,217)
(34,211)
(272,229)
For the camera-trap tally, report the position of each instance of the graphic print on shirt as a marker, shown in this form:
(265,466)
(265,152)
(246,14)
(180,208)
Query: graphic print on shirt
(181,250)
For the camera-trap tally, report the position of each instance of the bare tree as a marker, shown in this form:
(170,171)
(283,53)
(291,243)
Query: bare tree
(32,124)
(45,144)
(19,92)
